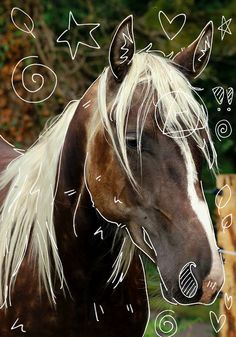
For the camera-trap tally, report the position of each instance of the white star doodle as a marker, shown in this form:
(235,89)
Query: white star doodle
(65,36)
(224,27)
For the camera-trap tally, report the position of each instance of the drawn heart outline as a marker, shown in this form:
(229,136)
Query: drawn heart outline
(217,321)
(228,301)
(161,13)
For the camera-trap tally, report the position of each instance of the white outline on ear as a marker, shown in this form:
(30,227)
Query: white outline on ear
(196,48)
(131,38)
(210,23)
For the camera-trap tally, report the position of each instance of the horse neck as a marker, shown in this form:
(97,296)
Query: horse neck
(76,219)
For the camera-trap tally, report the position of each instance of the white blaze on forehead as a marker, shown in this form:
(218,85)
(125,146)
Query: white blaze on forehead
(201,210)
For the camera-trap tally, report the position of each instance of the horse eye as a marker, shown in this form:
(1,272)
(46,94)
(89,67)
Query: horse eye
(131,142)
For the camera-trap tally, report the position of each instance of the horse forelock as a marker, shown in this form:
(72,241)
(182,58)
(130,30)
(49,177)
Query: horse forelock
(180,112)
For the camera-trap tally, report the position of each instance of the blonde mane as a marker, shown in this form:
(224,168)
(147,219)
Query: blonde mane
(26,216)
(178,106)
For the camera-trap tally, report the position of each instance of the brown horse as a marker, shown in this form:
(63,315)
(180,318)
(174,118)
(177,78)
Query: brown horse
(113,177)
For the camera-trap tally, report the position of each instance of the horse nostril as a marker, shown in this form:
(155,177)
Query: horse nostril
(187,281)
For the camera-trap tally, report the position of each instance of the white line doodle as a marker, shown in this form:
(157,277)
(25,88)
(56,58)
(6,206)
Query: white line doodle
(12,146)
(74,215)
(227,222)
(26,29)
(223,190)
(124,56)
(163,320)
(101,308)
(211,285)
(228,301)
(128,36)
(33,76)
(187,281)
(70,192)
(223,129)
(129,308)
(64,39)
(217,322)
(224,27)
(99,231)
(207,47)
(148,49)
(87,104)
(162,15)
(98,178)
(218,93)
(165,121)
(95,311)
(148,240)
(117,200)
(230,96)
(21,326)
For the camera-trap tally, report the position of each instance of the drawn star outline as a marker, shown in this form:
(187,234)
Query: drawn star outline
(225,23)
(65,37)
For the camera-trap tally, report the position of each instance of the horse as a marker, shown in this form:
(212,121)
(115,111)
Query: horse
(113,178)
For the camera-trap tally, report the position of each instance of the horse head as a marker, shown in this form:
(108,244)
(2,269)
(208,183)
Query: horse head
(144,162)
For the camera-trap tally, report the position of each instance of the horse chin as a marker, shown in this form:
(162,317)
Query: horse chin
(175,296)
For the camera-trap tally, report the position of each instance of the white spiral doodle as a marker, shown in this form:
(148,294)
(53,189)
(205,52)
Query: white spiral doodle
(165,324)
(223,129)
(36,78)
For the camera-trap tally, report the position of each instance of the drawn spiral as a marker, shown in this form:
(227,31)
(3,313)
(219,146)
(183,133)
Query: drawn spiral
(165,324)
(37,80)
(223,129)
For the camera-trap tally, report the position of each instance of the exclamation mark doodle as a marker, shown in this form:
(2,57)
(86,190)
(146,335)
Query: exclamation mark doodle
(230,95)
(219,93)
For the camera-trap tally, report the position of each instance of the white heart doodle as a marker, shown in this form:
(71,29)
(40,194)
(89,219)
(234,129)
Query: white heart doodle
(217,322)
(228,301)
(161,14)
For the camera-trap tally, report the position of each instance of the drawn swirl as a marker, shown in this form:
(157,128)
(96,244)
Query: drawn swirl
(37,81)
(165,324)
(223,129)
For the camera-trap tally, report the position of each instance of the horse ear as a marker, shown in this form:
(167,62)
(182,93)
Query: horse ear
(194,59)
(122,48)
